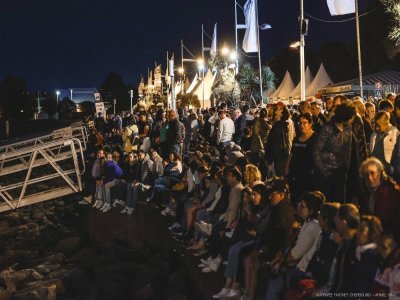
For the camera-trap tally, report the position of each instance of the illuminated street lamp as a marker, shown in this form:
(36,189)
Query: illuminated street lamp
(200,64)
(225,51)
(295,45)
(233,55)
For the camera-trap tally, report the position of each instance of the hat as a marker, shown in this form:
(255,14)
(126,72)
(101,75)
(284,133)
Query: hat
(278,185)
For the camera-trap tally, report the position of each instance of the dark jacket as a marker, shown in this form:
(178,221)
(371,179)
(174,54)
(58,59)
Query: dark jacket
(346,268)
(277,147)
(223,202)
(274,229)
(129,172)
(173,136)
(321,262)
(359,134)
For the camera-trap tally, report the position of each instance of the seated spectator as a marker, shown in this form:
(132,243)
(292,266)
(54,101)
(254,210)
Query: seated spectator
(381,197)
(286,267)
(112,177)
(130,168)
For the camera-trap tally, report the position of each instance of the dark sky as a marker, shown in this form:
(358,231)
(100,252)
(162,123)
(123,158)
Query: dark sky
(61,44)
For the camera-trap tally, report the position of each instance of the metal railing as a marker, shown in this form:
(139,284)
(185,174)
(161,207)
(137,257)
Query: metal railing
(41,170)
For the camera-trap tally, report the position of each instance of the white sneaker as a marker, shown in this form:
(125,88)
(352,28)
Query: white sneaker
(222,294)
(125,210)
(214,264)
(88,198)
(83,202)
(103,206)
(130,211)
(206,270)
(106,208)
(100,204)
(165,211)
(175,225)
(96,203)
(206,261)
(233,294)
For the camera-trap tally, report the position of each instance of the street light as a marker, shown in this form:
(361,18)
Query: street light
(200,64)
(225,51)
(295,45)
(58,95)
(181,70)
(71,94)
(233,55)
(265,27)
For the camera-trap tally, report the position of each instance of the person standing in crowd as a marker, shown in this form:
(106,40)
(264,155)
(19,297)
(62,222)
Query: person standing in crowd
(301,166)
(95,174)
(279,143)
(260,132)
(319,119)
(226,130)
(130,168)
(358,130)
(175,133)
(188,131)
(336,157)
(367,121)
(383,139)
(240,124)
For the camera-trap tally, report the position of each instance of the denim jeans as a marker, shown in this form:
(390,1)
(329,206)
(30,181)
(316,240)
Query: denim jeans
(234,258)
(100,192)
(134,194)
(277,286)
(108,187)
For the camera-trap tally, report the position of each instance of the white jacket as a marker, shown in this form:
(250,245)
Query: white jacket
(226,130)
(389,142)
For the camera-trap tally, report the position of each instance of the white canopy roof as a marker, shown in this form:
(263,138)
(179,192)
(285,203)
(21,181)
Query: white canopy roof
(285,87)
(322,79)
(208,84)
(295,94)
(192,85)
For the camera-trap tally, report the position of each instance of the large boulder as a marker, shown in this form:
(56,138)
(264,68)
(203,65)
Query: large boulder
(68,246)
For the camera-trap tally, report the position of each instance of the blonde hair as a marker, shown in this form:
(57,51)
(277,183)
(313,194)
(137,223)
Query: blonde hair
(359,105)
(251,175)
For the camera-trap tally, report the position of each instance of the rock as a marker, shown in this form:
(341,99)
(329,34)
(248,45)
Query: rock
(56,258)
(37,275)
(4,225)
(68,246)
(37,214)
(48,289)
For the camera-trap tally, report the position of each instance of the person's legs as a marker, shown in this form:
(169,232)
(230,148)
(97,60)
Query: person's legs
(136,194)
(107,188)
(129,195)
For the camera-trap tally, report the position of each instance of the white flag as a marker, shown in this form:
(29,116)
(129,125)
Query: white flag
(341,7)
(250,42)
(213,50)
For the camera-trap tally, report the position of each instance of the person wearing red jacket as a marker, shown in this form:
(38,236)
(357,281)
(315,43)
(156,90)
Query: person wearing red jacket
(382,196)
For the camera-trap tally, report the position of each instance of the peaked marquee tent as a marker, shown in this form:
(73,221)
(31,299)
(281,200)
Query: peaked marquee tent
(285,88)
(208,84)
(322,79)
(296,93)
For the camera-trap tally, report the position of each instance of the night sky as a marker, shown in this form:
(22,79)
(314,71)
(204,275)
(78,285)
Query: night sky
(56,44)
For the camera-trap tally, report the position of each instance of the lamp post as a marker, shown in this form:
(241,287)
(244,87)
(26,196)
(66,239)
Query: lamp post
(71,94)
(201,66)
(58,95)
(303,29)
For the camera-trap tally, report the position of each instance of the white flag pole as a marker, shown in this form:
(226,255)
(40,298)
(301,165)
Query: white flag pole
(202,57)
(360,76)
(302,57)
(259,52)
(236,39)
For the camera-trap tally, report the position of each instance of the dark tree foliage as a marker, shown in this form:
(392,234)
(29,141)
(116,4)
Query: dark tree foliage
(115,88)
(15,100)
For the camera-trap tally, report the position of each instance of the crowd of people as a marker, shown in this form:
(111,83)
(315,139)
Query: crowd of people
(294,202)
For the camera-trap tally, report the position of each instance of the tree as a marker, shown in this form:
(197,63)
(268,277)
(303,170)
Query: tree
(226,88)
(392,11)
(49,104)
(88,108)
(249,82)
(66,108)
(188,100)
(15,100)
(115,88)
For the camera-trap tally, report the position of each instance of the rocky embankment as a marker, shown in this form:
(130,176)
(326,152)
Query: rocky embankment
(60,250)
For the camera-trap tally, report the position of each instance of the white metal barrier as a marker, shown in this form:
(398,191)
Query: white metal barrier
(6,167)
(57,164)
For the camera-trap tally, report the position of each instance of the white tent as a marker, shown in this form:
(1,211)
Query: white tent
(192,85)
(285,88)
(322,79)
(208,84)
(296,93)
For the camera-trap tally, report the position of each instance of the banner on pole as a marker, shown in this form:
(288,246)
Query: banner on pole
(250,41)
(341,7)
